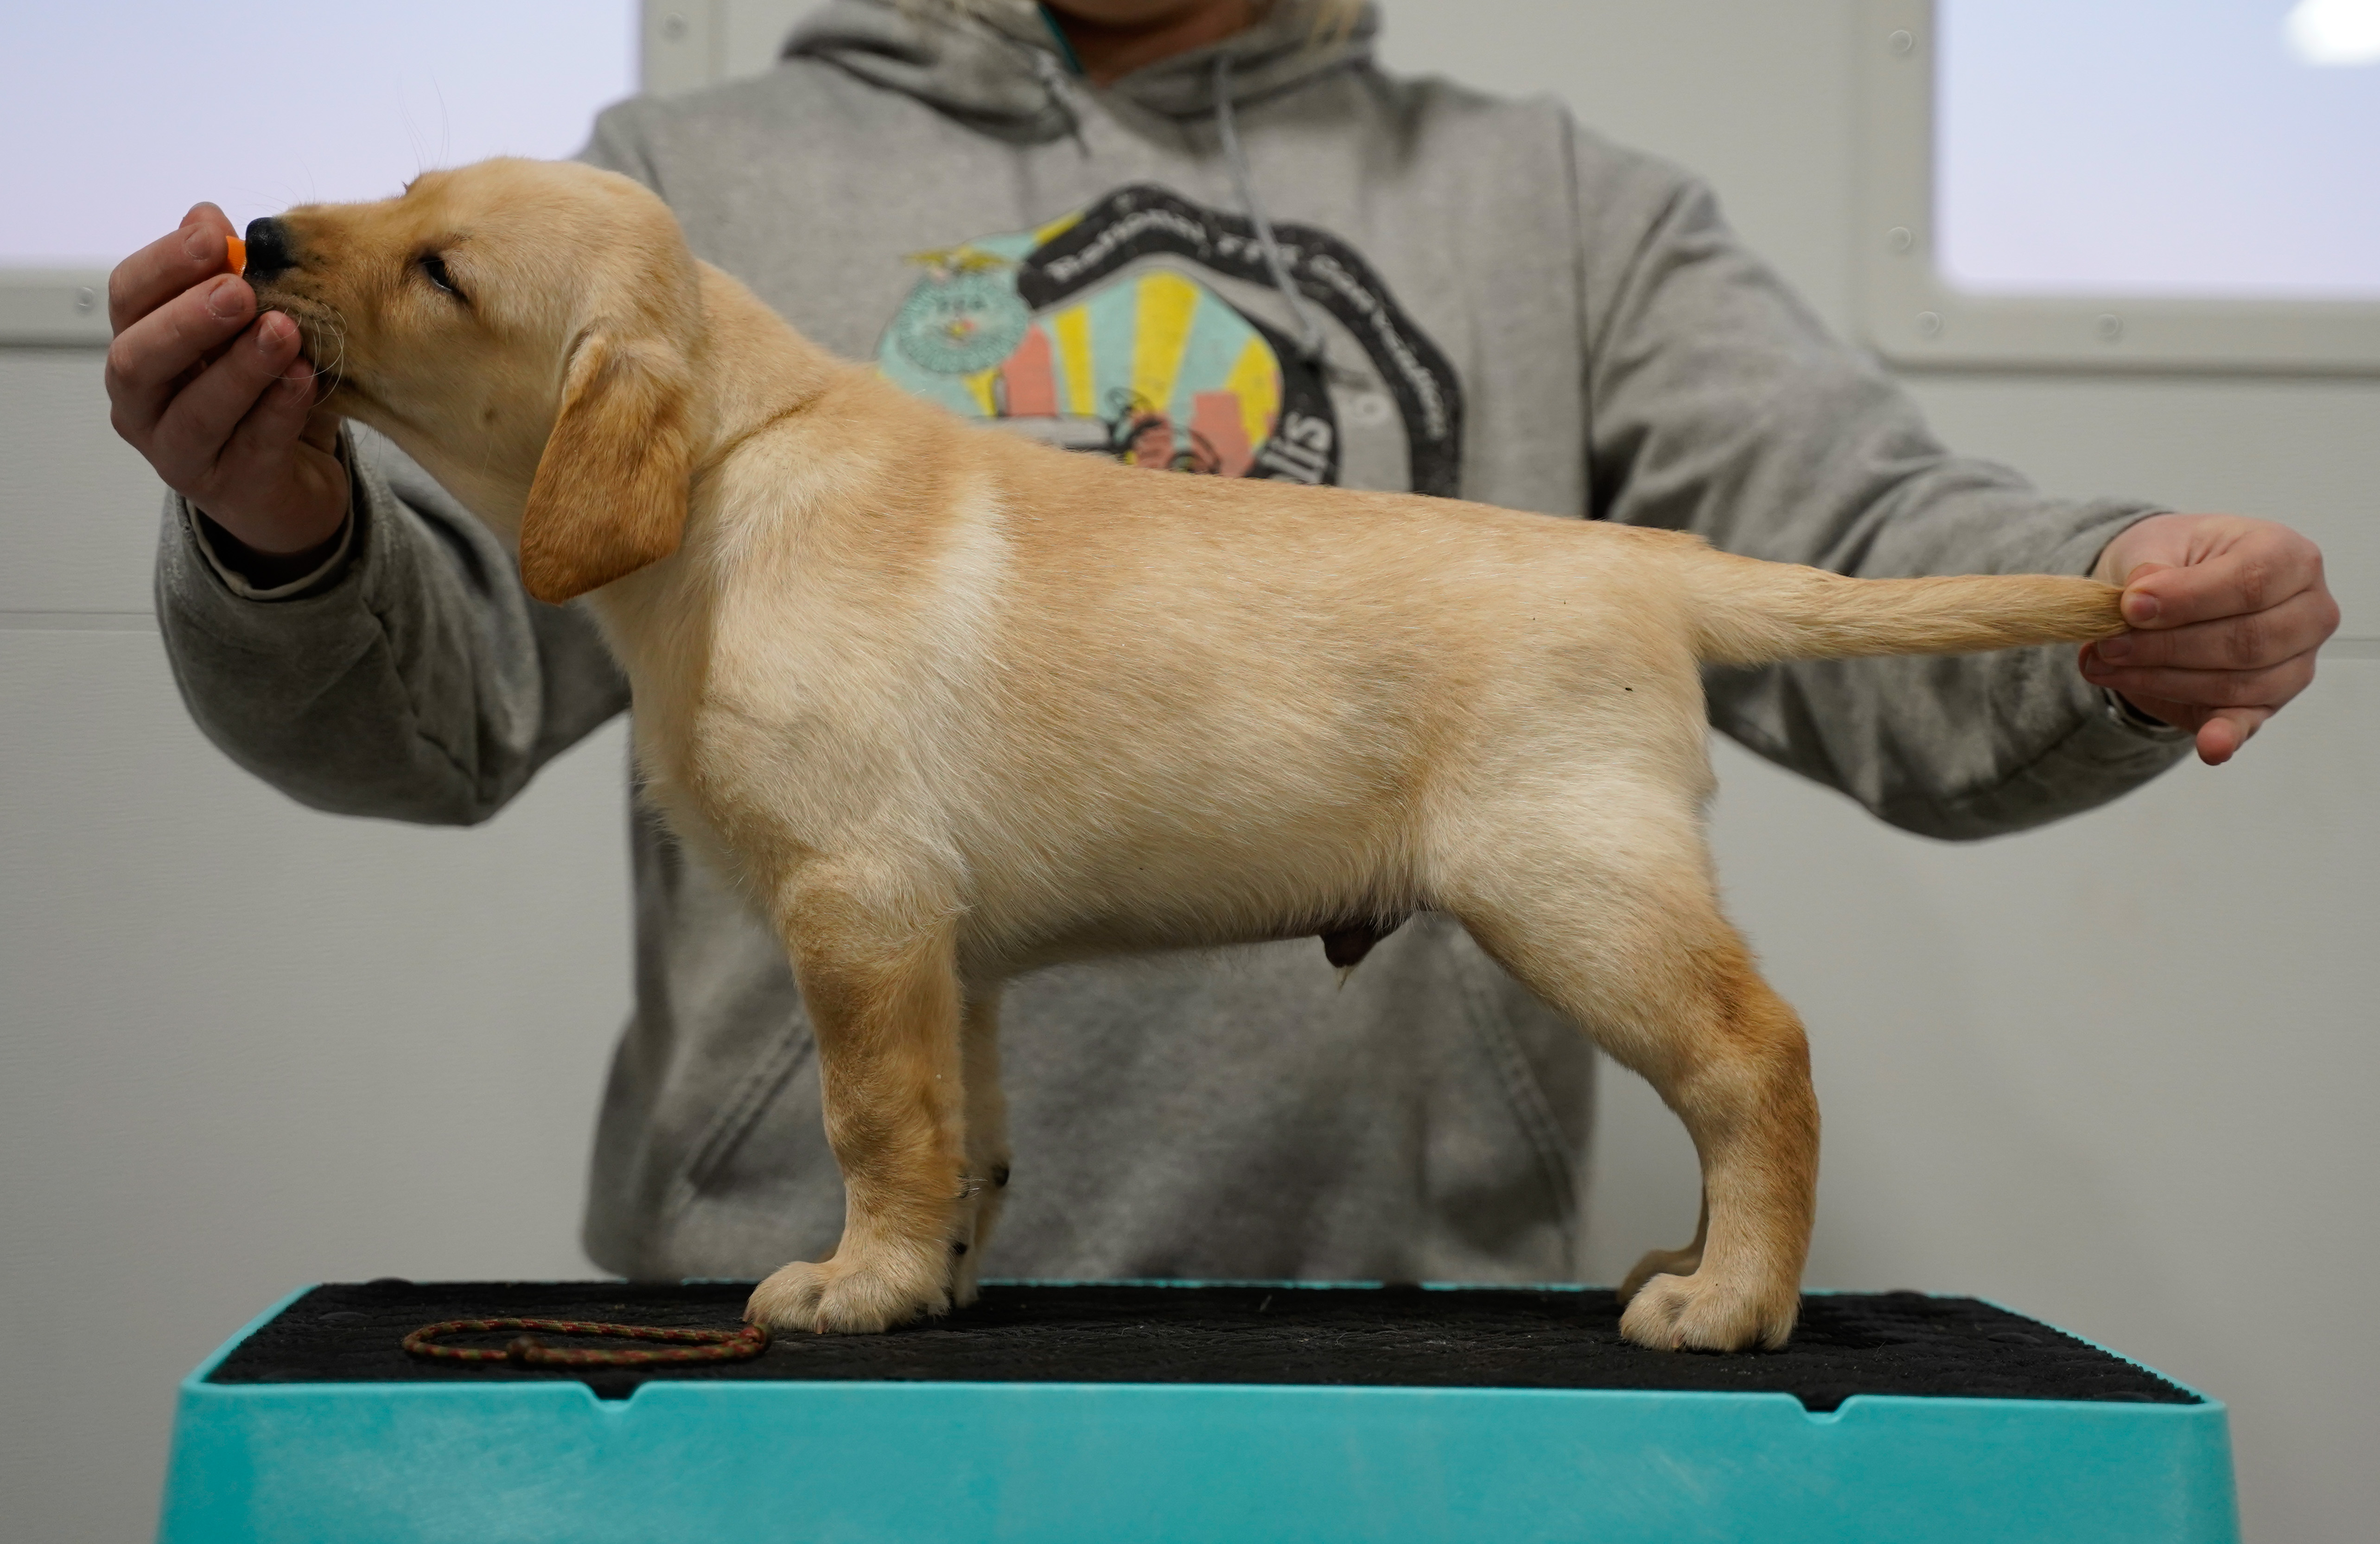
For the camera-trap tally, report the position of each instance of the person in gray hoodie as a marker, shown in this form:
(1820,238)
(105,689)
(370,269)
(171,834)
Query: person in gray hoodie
(1210,235)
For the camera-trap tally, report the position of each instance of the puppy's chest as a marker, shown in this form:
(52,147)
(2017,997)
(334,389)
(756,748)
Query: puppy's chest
(798,714)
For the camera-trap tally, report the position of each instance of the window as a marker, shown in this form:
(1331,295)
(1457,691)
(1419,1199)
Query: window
(2176,183)
(124,113)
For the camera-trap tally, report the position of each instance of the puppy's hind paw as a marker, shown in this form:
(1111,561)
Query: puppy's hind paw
(963,1289)
(1661,1263)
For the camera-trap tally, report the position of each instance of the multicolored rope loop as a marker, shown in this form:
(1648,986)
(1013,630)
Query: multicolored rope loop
(526,1350)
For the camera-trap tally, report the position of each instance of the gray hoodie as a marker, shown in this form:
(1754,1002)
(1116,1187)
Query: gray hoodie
(1460,294)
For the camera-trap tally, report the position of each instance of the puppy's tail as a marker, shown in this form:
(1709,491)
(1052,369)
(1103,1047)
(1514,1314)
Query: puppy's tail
(1747,611)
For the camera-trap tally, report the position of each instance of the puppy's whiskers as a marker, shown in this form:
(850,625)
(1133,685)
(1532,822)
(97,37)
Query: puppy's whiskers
(332,376)
(317,326)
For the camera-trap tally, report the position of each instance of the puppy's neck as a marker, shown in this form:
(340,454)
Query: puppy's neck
(752,373)
(755,371)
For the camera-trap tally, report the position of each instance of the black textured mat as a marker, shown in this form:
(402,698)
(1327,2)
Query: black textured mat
(1898,1342)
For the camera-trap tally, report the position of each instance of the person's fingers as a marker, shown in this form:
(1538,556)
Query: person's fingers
(149,359)
(2227,615)
(168,265)
(2218,732)
(2258,572)
(2248,642)
(2268,687)
(258,456)
(2226,730)
(281,486)
(189,435)
(322,429)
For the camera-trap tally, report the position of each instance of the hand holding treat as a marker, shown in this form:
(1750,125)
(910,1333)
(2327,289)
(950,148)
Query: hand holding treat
(218,398)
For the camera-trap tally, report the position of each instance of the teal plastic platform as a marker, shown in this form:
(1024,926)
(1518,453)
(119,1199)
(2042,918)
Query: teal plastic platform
(902,1457)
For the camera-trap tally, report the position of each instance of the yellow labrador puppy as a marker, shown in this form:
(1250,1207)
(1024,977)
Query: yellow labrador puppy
(950,705)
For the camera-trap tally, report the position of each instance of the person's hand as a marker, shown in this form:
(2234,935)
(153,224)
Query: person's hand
(2227,613)
(218,398)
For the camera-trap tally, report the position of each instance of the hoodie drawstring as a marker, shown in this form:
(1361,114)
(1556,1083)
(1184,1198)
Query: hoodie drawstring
(1310,339)
(1053,77)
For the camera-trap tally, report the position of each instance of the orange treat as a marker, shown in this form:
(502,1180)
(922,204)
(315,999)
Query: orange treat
(238,251)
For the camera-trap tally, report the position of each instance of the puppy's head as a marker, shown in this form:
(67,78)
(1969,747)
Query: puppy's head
(523,329)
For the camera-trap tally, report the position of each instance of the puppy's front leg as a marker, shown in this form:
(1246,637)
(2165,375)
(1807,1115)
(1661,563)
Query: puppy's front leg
(883,991)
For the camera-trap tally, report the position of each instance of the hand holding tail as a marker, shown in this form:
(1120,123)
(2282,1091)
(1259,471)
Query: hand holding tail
(2227,613)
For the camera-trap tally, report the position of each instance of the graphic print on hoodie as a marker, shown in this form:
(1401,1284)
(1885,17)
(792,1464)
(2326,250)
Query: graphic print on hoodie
(1105,331)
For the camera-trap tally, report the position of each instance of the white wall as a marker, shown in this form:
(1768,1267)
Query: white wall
(2109,1073)
(243,1046)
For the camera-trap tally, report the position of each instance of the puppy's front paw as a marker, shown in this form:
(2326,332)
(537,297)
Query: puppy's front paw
(832,1297)
(1697,1313)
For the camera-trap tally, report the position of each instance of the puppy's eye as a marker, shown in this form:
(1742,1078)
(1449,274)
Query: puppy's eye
(433,268)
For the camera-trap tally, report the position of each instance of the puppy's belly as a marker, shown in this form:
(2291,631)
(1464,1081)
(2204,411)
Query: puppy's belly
(1344,940)
(1212,897)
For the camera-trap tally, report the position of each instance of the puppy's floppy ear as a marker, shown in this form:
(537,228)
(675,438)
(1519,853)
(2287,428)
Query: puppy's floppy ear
(609,492)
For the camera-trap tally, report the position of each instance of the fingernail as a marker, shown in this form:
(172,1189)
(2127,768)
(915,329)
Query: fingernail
(227,299)
(2115,650)
(2139,610)
(271,333)
(199,241)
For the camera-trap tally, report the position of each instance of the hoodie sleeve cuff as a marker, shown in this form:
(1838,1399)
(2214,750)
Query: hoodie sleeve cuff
(211,538)
(2119,709)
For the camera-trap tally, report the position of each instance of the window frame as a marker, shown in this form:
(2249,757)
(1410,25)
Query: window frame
(680,44)
(1911,315)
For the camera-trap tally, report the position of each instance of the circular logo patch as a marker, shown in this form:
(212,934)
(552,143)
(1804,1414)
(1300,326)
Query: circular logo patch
(958,324)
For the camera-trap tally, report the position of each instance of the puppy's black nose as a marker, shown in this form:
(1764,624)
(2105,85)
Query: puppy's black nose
(268,249)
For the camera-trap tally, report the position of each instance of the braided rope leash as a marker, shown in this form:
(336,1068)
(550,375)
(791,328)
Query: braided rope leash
(526,1350)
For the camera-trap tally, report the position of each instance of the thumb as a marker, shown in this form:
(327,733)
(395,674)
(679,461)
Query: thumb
(2226,730)
(322,429)
(2139,608)
(209,214)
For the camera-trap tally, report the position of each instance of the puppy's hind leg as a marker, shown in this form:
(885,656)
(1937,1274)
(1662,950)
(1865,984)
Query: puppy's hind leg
(1624,934)
(987,1140)
(1737,1071)
(875,960)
